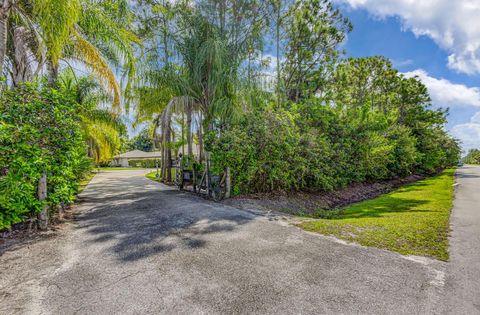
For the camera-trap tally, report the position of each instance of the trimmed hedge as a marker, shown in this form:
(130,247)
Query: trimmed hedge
(147,163)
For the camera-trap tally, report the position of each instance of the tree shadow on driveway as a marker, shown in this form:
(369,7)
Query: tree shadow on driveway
(146,222)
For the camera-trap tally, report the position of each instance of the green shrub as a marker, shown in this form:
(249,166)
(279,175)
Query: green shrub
(147,163)
(261,152)
(39,132)
(405,154)
(313,146)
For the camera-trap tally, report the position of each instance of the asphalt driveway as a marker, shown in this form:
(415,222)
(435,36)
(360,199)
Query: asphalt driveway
(139,247)
(463,271)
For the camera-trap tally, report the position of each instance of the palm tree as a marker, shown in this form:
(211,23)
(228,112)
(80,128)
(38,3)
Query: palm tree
(205,83)
(94,33)
(200,81)
(208,74)
(5,6)
(103,35)
(101,127)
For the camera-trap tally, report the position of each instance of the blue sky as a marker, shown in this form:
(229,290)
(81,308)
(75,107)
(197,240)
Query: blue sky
(373,36)
(438,40)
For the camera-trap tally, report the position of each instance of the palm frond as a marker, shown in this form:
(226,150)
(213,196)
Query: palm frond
(56,18)
(91,56)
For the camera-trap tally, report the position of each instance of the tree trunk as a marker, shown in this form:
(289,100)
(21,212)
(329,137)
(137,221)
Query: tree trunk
(168,156)
(189,130)
(163,165)
(400,118)
(166,153)
(42,195)
(228,183)
(165,41)
(208,179)
(4,12)
(200,140)
(222,13)
(183,133)
(207,165)
(52,73)
(277,35)
(22,71)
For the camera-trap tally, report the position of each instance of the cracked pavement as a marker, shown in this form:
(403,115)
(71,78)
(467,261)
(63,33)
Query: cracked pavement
(139,247)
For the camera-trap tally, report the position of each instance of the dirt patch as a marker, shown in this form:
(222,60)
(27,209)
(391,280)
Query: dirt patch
(309,202)
(26,233)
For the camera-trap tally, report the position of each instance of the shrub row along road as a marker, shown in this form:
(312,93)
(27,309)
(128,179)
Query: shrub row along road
(139,247)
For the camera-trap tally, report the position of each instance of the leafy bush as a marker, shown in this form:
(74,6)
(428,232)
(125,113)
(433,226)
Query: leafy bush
(147,163)
(405,155)
(261,152)
(312,146)
(143,142)
(39,133)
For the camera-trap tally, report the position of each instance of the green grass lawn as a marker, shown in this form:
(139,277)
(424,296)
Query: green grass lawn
(413,220)
(152,175)
(118,168)
(84,182)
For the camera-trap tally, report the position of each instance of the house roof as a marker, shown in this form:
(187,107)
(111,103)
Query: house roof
(138,154)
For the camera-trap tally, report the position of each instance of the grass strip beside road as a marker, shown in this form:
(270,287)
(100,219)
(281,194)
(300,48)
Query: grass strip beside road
(153,175)
(413,220)
(85,181)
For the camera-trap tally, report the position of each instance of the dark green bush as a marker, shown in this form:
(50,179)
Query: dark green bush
(313,146)
(147,163)
(39,132)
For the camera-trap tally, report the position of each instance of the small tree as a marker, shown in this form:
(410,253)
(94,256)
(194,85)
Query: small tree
(314,30)
(143,141)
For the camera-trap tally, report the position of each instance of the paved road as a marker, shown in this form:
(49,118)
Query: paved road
(139,247)
(463,273)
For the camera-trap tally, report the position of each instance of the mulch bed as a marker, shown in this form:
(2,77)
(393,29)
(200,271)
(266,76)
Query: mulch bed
(28,230)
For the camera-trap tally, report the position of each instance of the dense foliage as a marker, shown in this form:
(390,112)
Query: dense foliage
(326,143)
(39,133)
(52,131)
(142,142)
(318,122)
(101,127)
(144,163)
(473,157)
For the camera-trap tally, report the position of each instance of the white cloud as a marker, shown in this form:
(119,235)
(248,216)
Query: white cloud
(476,118)
(468,133)
(448,94)
(445,93)
(453,24)
(402,63)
